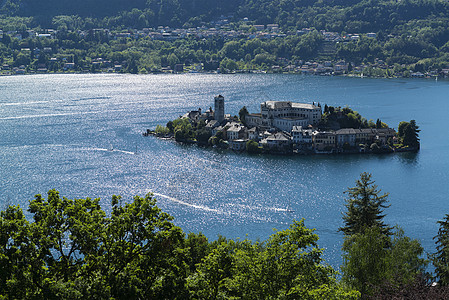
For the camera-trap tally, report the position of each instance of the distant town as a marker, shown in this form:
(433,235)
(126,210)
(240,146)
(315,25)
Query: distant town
(284,127)
(53,51)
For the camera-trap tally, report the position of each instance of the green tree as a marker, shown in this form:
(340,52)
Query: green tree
(373,260)
(183,130)
(252,147)
(243,112)
(401,128)
(406,264)
(410,136)
(209,280)
(202,136)
(72,250)
(162,130)
(364,207)
(374,255)
(365,260)
(287,266)
(440,259)
(170,126)
(292,257)
(197,247)
(172,60)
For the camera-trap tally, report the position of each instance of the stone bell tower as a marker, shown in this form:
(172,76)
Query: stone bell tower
(219,108)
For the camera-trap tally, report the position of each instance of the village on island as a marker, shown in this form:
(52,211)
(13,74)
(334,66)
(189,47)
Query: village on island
(284,127)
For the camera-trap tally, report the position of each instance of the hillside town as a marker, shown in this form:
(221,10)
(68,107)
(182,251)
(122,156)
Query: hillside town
(282,127)
(42,51)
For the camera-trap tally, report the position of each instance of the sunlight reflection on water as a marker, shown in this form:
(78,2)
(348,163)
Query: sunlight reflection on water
(56,131)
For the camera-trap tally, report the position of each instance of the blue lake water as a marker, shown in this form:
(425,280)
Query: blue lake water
(55,132)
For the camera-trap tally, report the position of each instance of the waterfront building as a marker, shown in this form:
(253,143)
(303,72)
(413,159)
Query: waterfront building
(283,115)
(238,145)
(277,140)
(323,140)
(253,134)
(235,131)
(384,134)
(193,115)
(346,135)
(302,136)
(363,136)
(287,124)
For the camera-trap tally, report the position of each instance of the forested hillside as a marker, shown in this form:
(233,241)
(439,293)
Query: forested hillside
(380,38)
(331,15)
(150,12)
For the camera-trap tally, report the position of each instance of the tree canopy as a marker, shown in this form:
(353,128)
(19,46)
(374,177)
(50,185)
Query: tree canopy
(440,259)
(365,207)
(72,249)
(376,256)
(408,132)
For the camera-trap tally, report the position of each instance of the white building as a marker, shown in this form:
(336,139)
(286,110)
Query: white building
(302,136)
(235,131)
(287,124)
(253,134)
(284,115)
(276,140)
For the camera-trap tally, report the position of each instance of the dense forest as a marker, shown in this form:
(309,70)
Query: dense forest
(331,15)
(75,249)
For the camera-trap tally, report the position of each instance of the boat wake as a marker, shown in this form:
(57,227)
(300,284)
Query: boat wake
(266,208)
(123,151)
(280,209)
(185,203)
(108,150)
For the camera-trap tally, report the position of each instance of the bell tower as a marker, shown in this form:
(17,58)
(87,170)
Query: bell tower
(219,108)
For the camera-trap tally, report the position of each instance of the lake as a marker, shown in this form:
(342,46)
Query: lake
(55,132)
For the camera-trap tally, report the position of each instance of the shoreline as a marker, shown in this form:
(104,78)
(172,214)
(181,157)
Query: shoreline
(150,133)
(350,75)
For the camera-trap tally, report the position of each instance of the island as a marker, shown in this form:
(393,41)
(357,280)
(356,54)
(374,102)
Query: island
(285,127)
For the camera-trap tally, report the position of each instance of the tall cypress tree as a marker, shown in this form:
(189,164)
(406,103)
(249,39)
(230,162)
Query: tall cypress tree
(365,207)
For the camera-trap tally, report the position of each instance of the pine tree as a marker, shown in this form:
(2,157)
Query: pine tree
(365,207)
(440,259)
(242,115)
(411,137)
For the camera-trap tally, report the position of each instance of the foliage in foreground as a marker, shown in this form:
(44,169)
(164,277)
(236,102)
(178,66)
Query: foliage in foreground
(365,207)
(73,250)
(375,257)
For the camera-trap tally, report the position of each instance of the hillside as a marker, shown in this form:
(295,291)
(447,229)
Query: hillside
(331,15)
(85,8)
(153,12)
(380,38)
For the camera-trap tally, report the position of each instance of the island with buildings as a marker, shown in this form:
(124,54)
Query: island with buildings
(285,127)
